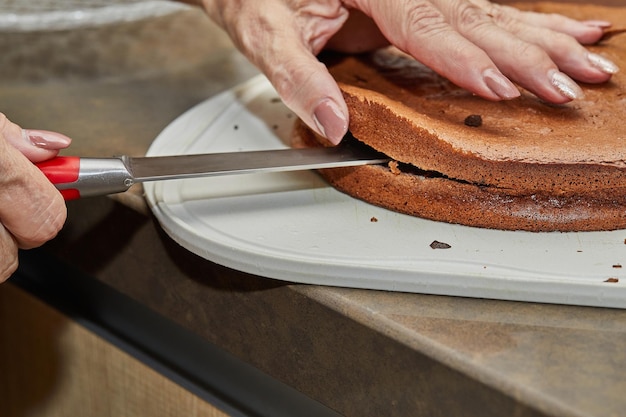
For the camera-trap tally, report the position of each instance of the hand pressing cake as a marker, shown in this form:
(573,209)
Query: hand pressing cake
(514,165)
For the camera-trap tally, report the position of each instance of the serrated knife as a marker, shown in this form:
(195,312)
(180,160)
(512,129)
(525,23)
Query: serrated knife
(77,177)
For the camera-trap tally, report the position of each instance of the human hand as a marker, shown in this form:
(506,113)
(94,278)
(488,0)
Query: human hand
(478,45)
(32,211)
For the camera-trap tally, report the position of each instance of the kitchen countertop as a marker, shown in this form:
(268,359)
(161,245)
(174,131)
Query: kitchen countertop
(358,352)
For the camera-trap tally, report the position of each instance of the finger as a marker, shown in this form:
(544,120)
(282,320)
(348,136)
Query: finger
(307,88)
(524,62)
(283,46)
(421,29)
(31,209)
(8,254)
(569,55)
(564,49)
(585,32)
(36,145)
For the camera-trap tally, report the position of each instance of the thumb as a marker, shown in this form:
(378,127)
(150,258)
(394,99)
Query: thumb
(285,54)
(307,88)
(280,38)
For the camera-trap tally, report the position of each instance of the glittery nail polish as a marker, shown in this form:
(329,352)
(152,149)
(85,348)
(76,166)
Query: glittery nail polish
(565,85)
(603,64)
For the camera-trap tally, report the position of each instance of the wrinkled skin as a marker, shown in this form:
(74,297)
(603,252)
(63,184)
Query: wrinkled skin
(478,45)
(32,211)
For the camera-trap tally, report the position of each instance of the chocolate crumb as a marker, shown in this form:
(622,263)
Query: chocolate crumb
(612,280)
(439,245)
(393,167)
(617,266)
(474,120)
(373,219)
(275,100)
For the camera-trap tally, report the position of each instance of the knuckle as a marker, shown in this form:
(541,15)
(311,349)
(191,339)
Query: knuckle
(45,224)
(296,79)
(561,41)
(529,52)
(470,16)
(422,19)
(503,16)
(54,219)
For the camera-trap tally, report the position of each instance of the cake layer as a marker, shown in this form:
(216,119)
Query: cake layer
(405,110)
(431,196)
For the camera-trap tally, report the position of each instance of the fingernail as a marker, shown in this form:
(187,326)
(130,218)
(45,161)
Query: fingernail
(603,64)
(331,122)
(565,85)
(500,85)
(603,24)
(46,140)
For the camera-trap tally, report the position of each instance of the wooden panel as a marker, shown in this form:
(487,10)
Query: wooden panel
(51,366)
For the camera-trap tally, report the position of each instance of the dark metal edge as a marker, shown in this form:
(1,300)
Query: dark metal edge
(204,369)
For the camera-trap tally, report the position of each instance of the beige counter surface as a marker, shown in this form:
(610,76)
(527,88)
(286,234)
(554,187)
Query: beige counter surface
(360,352)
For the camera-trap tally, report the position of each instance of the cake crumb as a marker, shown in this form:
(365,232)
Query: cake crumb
(439,245)
(612,280)
(474,120)
(393,166)
(373,219)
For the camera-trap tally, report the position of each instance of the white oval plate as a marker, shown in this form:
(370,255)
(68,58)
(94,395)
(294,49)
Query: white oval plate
(293,226)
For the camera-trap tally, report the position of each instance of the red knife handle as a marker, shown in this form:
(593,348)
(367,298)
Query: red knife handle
(63,170)
(78,177)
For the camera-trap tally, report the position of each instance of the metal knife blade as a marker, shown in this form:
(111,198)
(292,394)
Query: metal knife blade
(292,159)
(79,177)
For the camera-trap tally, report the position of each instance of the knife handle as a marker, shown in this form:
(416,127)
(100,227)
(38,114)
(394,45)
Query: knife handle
(78,177)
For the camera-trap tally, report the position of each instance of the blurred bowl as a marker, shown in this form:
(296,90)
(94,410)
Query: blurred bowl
(40,42)
(51,15)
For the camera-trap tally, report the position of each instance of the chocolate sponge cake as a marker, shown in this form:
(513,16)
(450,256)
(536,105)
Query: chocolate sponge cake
(515,165)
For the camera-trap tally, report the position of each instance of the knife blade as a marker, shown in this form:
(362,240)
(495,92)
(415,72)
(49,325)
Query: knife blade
(77,177)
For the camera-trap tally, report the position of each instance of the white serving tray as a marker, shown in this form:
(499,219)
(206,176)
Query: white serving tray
(293,226)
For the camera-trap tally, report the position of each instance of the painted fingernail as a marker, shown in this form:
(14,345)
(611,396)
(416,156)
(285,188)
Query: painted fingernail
(603,64)
(565,85)
(331,122)
(603,24)
(500,85)
(46,140)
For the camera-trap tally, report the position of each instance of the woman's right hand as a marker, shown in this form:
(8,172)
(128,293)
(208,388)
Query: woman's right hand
(32,211)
